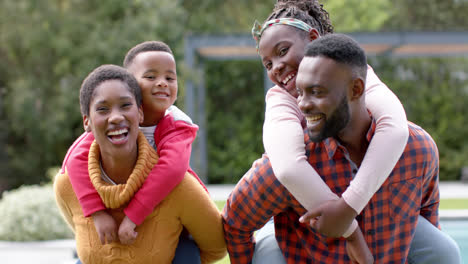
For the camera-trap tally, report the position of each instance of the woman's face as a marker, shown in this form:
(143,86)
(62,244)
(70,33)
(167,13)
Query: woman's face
(281,49)
(114,118)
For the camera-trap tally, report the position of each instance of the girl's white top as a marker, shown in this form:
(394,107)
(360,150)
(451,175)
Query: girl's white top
(283,139)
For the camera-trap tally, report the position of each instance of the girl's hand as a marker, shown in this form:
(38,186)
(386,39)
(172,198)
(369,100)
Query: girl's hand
(331,219)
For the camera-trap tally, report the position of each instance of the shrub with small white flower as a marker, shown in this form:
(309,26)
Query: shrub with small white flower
(30,213)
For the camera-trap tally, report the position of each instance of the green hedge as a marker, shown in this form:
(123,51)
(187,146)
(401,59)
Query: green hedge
(434,92)
(30,213)
(235,112)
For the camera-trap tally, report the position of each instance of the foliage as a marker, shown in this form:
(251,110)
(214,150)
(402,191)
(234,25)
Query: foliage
(235,114)
(357,15)
(432,15)
(49,47)
(434,92)
(29,213)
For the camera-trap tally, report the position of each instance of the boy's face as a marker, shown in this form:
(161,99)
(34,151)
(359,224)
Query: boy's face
(156,74)
(114,118)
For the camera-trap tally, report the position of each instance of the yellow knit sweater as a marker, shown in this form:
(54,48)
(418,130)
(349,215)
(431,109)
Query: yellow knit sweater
(188,205)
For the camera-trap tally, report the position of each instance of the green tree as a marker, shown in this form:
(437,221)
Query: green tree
(434,93)
(427,15)
(49,47)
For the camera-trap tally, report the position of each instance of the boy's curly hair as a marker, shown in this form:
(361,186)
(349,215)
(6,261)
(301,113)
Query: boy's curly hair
(308,11)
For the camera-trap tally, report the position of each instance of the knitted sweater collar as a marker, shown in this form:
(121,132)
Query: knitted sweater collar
(116,196)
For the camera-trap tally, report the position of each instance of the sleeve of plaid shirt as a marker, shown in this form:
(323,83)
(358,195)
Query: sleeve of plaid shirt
(430,188)
(256,198)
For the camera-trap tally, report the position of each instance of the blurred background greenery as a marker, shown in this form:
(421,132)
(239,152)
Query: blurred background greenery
(47,47)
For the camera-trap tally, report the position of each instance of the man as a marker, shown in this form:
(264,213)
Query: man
(330,83)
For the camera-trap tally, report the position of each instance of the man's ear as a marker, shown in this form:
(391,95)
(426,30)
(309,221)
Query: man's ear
(314,34)
(358,89)
(140,113)
(86,123)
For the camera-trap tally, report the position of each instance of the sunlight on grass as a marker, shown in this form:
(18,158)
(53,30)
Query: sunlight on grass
(453,204)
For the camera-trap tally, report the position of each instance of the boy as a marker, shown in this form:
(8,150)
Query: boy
(167,129)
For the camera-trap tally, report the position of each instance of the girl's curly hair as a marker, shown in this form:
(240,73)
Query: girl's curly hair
(308,11)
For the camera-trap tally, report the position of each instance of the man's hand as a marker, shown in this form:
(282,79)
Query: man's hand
(127,234)
(105,226)
(331,219)
(357,248)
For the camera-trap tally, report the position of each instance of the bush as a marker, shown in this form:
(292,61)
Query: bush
(434,92)
(30,213)
(235,113)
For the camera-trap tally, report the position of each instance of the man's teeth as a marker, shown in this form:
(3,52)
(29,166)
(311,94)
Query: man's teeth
(313,118)
(289,77)
(117,132)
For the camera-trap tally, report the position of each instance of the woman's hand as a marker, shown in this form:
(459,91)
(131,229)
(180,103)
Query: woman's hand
(357,248)
(127,233)
(105,226)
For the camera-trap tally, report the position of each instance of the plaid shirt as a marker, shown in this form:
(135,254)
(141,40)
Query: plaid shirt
(387,222)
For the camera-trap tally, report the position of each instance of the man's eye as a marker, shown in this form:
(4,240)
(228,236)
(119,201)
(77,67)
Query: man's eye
(268,65)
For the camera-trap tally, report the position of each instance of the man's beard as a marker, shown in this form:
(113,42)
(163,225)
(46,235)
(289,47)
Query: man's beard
(338,120)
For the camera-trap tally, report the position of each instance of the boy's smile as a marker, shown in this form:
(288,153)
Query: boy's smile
(156,74)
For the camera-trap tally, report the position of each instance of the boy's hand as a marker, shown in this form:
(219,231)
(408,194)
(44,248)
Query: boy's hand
(105,226)
(357,248)
(127,234)
(331,219)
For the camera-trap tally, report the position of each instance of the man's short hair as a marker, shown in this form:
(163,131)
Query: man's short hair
(342,49)
(144,47)
(106,73)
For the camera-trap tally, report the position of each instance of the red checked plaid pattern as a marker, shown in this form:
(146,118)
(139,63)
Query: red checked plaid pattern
(387,222)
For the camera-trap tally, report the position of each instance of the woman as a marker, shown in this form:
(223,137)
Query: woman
(119,161)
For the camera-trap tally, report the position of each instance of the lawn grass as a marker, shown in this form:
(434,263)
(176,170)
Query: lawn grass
(456,203)
(444,205)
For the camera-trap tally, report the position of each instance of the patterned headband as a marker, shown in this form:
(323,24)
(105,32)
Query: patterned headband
(257,29)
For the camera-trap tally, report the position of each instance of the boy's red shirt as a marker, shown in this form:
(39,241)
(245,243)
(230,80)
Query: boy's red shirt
(173,139)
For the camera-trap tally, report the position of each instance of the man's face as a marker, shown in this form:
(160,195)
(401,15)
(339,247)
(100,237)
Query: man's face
(322,85)
(281,48)
(156,74)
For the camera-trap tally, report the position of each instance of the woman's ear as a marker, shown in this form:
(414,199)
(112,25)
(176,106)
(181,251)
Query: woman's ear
(86,123)
(314,34)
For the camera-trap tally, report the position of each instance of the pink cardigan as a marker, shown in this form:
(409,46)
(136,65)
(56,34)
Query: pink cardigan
(284,120)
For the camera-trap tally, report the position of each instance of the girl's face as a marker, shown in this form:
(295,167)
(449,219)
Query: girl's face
(281,49)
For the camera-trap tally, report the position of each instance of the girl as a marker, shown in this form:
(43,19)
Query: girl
(283,120)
